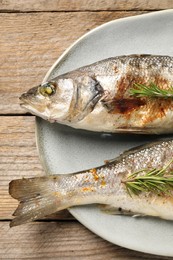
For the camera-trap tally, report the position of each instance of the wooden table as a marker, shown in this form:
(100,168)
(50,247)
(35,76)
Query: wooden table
(33,35)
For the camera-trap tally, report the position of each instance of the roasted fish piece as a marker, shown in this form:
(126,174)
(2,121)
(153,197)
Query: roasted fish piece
(98,97)
(140,181)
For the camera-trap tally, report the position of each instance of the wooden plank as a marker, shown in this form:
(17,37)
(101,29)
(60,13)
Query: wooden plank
(30,43)
(82,5)
(60,240)
(18,158)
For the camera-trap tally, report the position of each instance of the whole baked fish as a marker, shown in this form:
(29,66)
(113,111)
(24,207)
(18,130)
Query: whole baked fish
(140,181)
(98,97)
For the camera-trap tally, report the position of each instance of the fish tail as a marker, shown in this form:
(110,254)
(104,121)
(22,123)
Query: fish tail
(38,198)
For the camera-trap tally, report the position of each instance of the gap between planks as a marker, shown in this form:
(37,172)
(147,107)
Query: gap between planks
(76,11)
(84,5)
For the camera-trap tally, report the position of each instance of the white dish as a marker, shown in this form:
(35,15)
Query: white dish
(63,149)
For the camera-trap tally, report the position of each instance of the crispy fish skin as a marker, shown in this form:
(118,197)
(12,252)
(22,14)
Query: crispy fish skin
(97,97)
(42,196)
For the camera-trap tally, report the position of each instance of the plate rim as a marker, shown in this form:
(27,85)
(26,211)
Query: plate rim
(119,20)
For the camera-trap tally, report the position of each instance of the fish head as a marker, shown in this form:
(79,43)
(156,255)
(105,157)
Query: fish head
(65,100)
(50,100)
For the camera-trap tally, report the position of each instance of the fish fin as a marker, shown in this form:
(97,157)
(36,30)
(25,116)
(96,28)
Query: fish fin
(141,147)
(115,211)
(81,107)
(109,161)
(138,215)
(119,211)
(37,197)
(134,130)
(135,149)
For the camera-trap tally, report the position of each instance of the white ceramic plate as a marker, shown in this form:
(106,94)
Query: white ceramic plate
(63,149)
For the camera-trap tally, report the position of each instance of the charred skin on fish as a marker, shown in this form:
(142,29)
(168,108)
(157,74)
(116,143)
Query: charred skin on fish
(98,97)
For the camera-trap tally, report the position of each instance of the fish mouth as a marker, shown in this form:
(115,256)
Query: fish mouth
(25,103)
(26,97)
(27,106)
(32,107)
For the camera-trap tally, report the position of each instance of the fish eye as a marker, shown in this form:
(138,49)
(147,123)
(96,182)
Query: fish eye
(48,89)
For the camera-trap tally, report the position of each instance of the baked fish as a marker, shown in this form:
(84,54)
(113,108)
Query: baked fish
(138,182)
(101,97)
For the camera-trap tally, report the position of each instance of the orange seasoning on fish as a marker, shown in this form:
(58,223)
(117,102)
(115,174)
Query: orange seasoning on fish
(140,181)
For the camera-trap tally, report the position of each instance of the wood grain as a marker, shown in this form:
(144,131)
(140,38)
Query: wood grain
(60,240)
(31,43)
(18,158)
(82,5)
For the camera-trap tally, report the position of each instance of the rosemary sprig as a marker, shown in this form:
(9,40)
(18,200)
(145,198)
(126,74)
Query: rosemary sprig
(153,180)
(151,90)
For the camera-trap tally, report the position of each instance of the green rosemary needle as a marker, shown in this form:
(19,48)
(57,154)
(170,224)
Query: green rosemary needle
(151,90)
(151,180)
